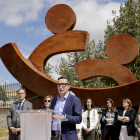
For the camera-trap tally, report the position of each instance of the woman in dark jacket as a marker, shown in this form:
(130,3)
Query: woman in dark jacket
(126,119)
(108,121)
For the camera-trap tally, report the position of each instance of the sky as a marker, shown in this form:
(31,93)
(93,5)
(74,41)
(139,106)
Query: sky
(23,22)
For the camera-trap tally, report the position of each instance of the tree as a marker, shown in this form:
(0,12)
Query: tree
(66,66)
(3,96)
(48,70)
(127,22)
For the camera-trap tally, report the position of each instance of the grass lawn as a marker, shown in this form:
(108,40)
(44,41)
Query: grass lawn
(3,134)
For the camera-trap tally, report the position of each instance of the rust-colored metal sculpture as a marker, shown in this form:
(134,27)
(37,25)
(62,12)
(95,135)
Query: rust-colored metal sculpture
(99,68)
(120,49)
(60,20)
(67,41)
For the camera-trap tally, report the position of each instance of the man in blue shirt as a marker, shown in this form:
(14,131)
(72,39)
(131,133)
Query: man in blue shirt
(69,106)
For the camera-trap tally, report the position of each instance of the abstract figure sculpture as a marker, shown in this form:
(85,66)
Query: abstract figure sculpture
(60,20)
(121,49)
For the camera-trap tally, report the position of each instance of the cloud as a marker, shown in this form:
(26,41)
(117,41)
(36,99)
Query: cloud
(1,79)
(40,31)
(17,12)
(5,82)
(92,15)
(55,60)
(30,29)
(25,54)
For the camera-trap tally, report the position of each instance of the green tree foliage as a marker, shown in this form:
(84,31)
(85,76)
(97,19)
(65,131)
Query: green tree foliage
(3,96)
(127,22)
(48,70)
(66,66)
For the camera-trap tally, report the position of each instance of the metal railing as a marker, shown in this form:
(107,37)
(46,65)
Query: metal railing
(98,131)
(8,94)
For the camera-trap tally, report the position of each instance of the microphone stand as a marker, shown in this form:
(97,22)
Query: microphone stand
(34,97)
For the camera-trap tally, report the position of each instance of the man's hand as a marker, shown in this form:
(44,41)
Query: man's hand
(88,131)
(17,130)
(55,117)
(13,129)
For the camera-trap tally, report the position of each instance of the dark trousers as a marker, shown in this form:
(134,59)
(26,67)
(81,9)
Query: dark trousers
(56,138)
(110,131)
(14,136)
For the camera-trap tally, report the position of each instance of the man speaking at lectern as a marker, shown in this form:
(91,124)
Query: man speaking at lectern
(69,106)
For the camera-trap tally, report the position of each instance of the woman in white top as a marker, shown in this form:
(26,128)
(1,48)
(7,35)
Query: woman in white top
(89,120)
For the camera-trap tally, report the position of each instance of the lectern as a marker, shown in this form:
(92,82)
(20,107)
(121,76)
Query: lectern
(37,124)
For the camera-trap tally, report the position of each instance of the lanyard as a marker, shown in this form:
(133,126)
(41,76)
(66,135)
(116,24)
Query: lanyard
(124,113)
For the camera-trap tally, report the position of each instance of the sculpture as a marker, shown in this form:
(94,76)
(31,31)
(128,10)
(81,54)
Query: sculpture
(61,19)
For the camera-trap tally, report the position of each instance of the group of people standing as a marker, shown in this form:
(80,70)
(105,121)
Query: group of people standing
(117,124)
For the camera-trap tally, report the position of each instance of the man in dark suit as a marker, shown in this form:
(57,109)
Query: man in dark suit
(13,118)
(69,106)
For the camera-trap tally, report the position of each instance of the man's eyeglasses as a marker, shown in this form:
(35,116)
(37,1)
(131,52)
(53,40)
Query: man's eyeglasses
(62,84)
(47,101)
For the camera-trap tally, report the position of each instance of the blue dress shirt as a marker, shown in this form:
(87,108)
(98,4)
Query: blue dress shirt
(109,115)
(59,107)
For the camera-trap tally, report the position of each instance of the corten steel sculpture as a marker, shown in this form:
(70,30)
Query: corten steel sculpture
(122,49)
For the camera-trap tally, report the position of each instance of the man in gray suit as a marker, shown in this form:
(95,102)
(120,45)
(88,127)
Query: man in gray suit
(13,118)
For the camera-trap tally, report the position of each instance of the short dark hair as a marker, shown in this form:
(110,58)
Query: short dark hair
(21,89)
(63,77)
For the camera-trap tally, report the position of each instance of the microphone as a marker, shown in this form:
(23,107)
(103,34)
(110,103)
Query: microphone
(34,97)
(53,95)
(52,99)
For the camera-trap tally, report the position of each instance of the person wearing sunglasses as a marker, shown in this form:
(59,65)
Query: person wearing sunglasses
(47,102)
(69,106)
